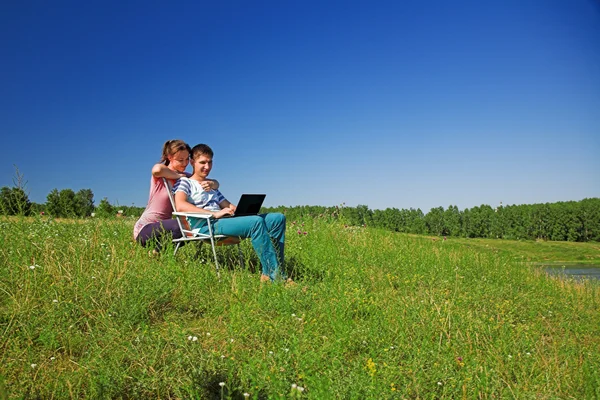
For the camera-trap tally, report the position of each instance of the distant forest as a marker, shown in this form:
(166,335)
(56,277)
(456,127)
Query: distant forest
(575,221)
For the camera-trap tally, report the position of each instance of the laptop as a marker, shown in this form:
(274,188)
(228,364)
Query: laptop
(249,204)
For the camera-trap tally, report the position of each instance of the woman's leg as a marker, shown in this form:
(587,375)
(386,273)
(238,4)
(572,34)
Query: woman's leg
(253,227)
(157,231)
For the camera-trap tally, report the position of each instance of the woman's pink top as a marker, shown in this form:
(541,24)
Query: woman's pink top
(158,208)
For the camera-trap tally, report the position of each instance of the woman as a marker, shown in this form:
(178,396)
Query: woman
(156,221)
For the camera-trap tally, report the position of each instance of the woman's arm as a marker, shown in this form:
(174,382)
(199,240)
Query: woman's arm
(162,171)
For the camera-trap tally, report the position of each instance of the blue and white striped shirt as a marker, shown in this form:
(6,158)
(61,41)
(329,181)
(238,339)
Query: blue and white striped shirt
(198,196)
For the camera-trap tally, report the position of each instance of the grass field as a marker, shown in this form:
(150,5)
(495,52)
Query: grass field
(86,313)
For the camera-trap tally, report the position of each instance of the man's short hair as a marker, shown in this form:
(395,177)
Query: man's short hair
(201,150)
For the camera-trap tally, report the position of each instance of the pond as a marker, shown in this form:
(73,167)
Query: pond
(575,271)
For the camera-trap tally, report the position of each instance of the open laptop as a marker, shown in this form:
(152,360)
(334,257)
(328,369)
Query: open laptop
(249,204)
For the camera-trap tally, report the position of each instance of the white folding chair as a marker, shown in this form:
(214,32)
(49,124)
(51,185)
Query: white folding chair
(189,235)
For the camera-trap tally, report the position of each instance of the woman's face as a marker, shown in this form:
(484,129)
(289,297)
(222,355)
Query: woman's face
(179,160)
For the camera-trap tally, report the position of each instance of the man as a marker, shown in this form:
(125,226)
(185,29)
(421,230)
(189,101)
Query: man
(266,231)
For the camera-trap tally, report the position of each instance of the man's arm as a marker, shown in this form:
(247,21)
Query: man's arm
(183,205)
(226,204)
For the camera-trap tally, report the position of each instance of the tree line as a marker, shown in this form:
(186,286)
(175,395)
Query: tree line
(65,203)
(576,221)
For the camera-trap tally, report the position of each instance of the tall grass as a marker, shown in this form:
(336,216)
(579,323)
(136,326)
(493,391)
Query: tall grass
(87,313)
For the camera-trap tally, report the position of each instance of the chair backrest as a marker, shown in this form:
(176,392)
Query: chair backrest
(169,189)
(183,223)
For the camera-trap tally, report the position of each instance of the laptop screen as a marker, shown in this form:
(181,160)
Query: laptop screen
(249,204)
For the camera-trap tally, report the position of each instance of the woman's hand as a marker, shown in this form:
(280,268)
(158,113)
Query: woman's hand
(209,185)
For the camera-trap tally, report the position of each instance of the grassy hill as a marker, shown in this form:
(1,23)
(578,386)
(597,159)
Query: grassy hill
(87,313)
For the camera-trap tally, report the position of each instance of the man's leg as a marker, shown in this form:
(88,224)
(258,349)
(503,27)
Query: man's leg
(276,225)
(252,227)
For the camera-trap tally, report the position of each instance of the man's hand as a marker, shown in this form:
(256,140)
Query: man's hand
(225,212)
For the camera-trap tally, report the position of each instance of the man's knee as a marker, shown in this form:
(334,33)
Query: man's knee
(255,221)
(277,218)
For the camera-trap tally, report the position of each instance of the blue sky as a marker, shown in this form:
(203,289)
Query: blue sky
(383,103)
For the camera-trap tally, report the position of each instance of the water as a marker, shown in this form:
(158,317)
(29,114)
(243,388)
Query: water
(575,271)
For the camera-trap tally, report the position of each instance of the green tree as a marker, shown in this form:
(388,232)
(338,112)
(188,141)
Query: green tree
(477,221)
(53,203)
(589,216)
(540,221)
(105,209)
(84,203)
(416,221)
(14,201)
(498,223)
(68,203)
(452,221)
(434,220)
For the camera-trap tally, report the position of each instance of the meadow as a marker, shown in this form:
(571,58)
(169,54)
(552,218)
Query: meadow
(87,313)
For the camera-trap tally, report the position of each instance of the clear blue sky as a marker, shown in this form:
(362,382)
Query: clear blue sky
(383,103)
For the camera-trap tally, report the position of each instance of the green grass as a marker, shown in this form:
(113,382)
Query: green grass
(374,315)
(539,252)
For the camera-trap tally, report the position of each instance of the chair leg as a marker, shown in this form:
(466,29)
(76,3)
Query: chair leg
(176,248)
(212,242)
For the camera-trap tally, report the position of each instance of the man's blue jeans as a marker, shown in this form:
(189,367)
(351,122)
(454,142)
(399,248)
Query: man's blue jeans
(261,229)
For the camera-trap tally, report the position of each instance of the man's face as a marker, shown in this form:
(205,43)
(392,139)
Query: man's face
(202,165)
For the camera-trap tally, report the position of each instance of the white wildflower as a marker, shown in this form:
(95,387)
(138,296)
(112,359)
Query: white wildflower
(221,384)
(33,365)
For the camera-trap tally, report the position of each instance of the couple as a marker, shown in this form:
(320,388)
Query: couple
(196,193)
